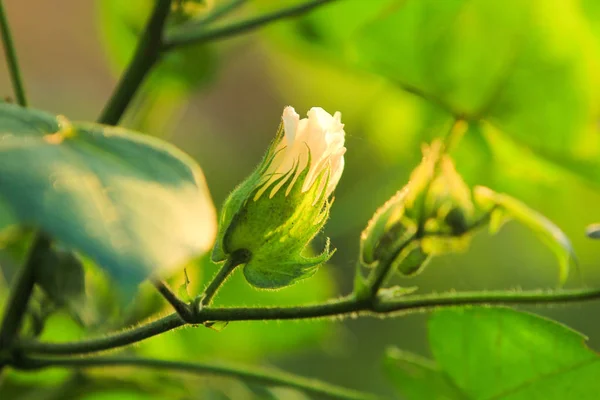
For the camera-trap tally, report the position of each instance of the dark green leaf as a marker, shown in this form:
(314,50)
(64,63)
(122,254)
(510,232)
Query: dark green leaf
(417,378)
(134,204)
(499,353)
(62,277)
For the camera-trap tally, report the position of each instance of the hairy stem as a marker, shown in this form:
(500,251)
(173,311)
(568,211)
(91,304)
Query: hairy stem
(267,378)
(180,306)
(214,285)
(195,34)
(146,55)
(341,308)
(382,271)
(11,58)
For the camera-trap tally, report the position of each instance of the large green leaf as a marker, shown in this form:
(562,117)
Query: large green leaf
(528,67)
(499,353)
(417,378)
(134,204)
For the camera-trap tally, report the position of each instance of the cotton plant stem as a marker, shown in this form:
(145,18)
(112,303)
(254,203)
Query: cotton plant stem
(181,307)
(22,286)
(20,293)
(254,375)
(145,57)
(217,281)
(197,34)
(11,58)
(338,309)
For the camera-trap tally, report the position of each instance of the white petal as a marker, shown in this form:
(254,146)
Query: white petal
(290,123)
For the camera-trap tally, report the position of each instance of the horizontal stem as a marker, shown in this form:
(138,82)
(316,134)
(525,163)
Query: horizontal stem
(109,342)
(267,378)
(196,34)
(340,308)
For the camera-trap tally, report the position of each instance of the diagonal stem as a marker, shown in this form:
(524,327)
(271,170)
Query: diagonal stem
(20,293)
(196,34)
(180,306)
(145,57)
(11,58)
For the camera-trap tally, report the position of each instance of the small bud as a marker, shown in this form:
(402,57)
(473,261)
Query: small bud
(274,214)
(429,216)
(387,231)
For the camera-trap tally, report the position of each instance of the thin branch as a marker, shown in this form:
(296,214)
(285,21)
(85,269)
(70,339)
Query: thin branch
(11,58)
(341,308)
(181,307)
(146,55)
(220,12)
(218,280)
(197,34)
(108,342)
(267,378)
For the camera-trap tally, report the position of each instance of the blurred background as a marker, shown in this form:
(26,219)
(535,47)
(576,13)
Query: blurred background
(526,71)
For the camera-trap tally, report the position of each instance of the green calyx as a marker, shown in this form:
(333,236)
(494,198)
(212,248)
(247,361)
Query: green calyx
(273,222)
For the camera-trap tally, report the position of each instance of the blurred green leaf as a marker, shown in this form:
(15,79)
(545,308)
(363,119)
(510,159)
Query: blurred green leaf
(499,353)
(417,378)
(62,277)
(545,229)
(530,68)
(134,204)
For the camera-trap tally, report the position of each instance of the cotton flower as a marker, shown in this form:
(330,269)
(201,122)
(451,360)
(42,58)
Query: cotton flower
(319,137)
(269,219)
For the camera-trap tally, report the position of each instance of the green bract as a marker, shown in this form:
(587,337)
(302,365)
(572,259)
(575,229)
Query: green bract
(269,219)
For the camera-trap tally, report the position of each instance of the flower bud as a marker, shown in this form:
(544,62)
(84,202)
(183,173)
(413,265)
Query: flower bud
(429,216)
(270,218)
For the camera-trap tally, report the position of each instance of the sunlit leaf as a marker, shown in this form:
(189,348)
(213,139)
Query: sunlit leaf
(134,204)
(503,354)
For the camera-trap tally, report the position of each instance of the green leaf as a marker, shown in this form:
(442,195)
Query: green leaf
(499,353)
(417,378)
(545,229)
(530,68)
(62,277)
(134,204)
